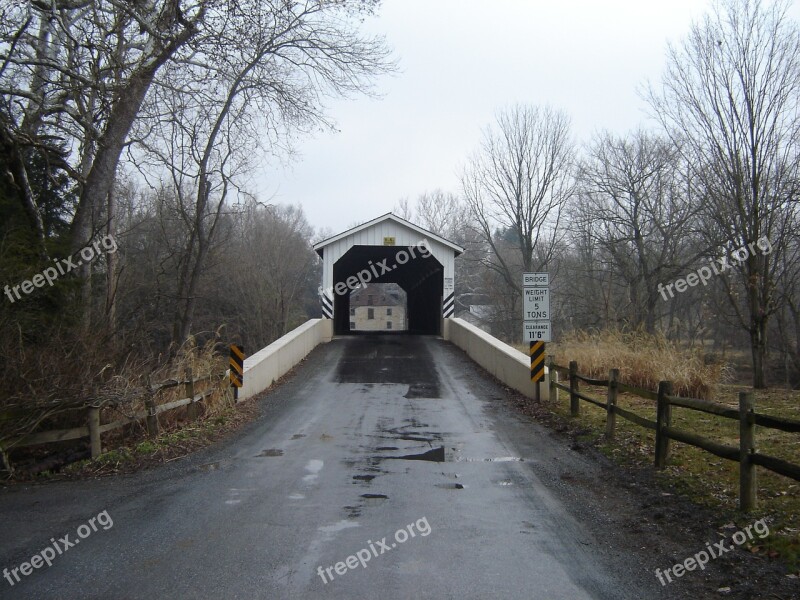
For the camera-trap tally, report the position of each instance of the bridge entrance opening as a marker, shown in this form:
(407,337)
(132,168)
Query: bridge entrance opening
(412,269)
(388,250)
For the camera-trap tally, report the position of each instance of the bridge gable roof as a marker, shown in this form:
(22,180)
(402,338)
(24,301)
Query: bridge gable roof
(396,221)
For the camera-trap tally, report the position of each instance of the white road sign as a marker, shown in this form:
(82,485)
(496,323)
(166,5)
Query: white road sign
(535,303)
(536,331)
(535,279)
(536,307)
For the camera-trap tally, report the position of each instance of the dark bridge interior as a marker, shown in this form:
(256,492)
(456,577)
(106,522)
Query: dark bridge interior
(421,276)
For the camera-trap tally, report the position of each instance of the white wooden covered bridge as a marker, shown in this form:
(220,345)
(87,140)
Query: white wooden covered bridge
(389,250)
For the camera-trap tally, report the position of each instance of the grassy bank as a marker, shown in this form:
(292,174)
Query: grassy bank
(706,479)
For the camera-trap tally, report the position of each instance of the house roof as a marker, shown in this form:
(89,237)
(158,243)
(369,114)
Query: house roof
(319,246)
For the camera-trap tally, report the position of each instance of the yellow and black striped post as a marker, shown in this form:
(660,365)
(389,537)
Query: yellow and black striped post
(536,352)
(237,369)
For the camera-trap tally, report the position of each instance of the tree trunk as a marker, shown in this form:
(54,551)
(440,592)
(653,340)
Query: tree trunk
(758,345)
(100,179)
(112,262)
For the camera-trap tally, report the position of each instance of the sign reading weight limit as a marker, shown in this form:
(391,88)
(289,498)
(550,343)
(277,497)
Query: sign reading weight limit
(536,303)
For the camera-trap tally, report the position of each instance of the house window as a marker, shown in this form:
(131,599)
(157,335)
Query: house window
(370,312)
(352,324)
(388,324)
(388,312)
(352,312)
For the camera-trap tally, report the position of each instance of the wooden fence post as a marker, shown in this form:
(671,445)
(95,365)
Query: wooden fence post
(5,461)
(94,431)
(192,409)
(747,447)
(611,415)
(574,401)
(552,391)
(152,417)
(663,419)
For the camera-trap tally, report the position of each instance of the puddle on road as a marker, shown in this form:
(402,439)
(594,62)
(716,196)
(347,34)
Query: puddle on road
(270,452)
(385,448)
(403,433)
(363,477)
(423,390)
(432,455)
(375,496)
(297,436)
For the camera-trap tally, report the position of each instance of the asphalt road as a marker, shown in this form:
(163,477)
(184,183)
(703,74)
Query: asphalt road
(373,438)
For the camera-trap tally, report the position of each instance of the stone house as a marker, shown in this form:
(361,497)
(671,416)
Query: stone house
(378,307)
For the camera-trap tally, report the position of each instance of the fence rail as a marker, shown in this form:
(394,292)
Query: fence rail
(94,428)
(745,454)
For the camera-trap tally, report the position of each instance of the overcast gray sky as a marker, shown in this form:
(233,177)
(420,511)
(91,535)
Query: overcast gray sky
(460,61)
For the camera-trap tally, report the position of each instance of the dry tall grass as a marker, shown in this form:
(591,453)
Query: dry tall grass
(56,383)
(642,359)
(205,362)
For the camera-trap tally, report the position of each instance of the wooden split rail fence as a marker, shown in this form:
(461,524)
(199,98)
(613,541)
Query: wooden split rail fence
(746,454)
(94,428)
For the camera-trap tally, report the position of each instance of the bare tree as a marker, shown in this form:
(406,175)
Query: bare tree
(441,212)
(634,199)
(729,97)
(516,187)
(445,214)
(255,78)
(73,79)
(75,76)
(268,269)
(788,315)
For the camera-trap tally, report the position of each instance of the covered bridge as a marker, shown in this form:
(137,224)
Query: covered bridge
(389,250)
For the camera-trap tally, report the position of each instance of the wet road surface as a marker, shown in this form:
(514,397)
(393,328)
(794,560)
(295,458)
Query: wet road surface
(381,469)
